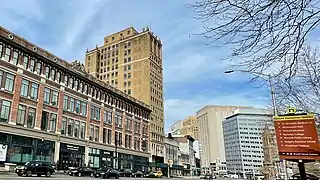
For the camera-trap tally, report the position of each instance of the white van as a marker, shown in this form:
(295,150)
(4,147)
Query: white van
(234,176)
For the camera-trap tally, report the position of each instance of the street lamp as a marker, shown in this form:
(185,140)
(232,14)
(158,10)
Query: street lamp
(266,77)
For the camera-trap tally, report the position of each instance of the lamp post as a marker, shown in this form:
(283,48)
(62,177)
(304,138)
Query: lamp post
(269,78)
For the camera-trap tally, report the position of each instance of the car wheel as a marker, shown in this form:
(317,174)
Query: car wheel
(79,174)
(117,176)
(29,173)
(48,174)
(91,175)
(19,174)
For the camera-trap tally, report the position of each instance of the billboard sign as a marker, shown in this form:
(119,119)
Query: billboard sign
(3,152)
(297,137)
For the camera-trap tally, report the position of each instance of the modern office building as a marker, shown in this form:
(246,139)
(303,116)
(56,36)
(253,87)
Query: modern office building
(132,62)
(53,110)
(243,141)
(210,133)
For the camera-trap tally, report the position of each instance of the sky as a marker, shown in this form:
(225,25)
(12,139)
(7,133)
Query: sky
(193,70)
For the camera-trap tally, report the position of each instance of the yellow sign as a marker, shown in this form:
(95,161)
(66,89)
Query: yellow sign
(291,110)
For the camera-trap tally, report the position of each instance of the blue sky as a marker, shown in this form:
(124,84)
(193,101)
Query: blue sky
(193,71)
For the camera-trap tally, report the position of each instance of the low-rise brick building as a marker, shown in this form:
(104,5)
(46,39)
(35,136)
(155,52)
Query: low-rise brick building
(52,110)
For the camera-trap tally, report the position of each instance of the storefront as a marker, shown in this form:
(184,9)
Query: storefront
(140,163)
(100,158)
(20,149)
(70,156)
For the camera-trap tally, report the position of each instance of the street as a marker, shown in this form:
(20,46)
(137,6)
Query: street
(62,177)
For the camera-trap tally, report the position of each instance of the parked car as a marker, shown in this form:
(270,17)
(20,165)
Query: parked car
(137,174)
(309,177)
(154,174)
(35,167)
(208,176)
(81,171)
(106,173)
(125,173)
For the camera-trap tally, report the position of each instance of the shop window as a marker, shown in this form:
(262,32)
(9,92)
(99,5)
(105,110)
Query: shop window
(63,126)
(9,82)
(71,106)
(5,111)
(55,98)
(47,92)
(65,102)
(52,124)
(76,129)
(21,114)
(44,120)
(31,117)
(70,127)
(84,109)
(24,88)
(34,91)
(83,130)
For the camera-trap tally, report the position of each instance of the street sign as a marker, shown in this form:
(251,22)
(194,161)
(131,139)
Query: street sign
(297,137)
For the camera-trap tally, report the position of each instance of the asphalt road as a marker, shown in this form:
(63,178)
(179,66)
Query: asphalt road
(63,177)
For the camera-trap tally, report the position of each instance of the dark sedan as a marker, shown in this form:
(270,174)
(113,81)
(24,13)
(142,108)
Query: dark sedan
(125,173)
(309,177)
(82,171)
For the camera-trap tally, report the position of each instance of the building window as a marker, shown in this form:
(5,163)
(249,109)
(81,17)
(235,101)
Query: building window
(65,102)
(7,54)
(25,62)
(53,74)
(129,75)
(47,72)
(5,111)
(52,124)
(1,76)
(31,117)
(32,65)
(70,127)
(55,98)
(76,129)
(129,91)
(130,141)
(9,82)
(24,88)
(96,134)
(44,120)
(92,112)
(71,106)
(128,124)
(1,50)
(109,118)
(97,115)
(78,104)
(21,114)
(46,95)
(84,109)
(83,130)
(34,91)
(63,125)
(15,57)
(109,136)
(118,120)
(91,132)
(39,68)
(58,78)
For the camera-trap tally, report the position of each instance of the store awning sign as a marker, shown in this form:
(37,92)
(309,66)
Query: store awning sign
(3,152)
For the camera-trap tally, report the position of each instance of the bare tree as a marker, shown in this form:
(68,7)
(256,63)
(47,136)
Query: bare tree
(303,89)
(263,33)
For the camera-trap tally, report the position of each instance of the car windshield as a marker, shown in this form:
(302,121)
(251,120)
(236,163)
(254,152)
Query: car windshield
(102,169)
(27,163)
